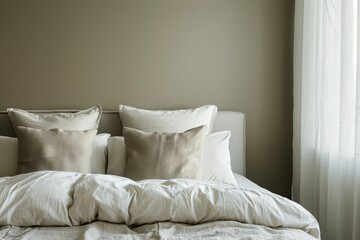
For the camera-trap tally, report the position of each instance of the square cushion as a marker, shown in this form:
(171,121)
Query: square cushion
(164,155)
(215,162)
(55,149)
(9,155)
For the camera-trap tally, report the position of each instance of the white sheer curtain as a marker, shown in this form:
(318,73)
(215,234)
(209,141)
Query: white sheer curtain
(327,114)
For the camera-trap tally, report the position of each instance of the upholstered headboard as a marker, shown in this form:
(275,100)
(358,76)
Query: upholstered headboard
(110,123)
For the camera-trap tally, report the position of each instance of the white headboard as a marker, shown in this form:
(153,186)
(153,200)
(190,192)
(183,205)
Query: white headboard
(110,123)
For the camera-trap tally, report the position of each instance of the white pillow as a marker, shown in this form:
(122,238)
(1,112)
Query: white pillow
(216,161)
(81,121)
(176,121)
(9,155)
(100,153)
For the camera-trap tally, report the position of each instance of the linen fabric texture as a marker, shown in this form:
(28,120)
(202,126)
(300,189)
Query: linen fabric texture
(82,120)
(176,121)
(215,160)
(164,155)
(9,155)
(116,156)
(79,121)
(59,150)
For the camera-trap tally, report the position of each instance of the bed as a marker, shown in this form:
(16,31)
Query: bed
(50,204)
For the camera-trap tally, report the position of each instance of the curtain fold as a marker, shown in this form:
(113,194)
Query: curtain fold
(326,144)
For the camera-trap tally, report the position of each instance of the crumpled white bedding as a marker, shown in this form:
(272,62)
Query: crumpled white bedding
(119,208)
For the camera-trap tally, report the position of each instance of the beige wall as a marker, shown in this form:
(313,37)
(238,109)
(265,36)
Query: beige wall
(158,54)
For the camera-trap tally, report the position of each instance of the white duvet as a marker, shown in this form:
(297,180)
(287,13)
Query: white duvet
(163,206)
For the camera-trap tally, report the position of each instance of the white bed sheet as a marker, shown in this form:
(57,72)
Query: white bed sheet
(161,230)
(287,221)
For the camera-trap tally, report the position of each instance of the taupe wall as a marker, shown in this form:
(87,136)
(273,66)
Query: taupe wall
(158,54)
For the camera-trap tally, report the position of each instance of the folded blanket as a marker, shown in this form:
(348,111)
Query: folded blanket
(51,198)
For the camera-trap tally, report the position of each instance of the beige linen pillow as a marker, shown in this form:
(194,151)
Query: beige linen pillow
(215,159)
(164,155)
(8,156)
(176,121)
(58,150)
(82,120)
(116,156)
